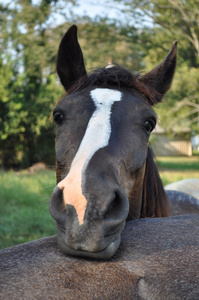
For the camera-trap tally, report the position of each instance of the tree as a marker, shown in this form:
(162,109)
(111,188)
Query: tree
(177,19)
(180,110)
(104,40)
(28,87)
(161,22)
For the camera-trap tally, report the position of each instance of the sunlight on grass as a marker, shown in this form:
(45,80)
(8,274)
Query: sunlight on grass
(173,176)
(179,163)
(177,168)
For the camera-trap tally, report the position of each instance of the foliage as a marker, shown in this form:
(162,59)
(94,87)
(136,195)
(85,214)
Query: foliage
(29,87)
(182,102)
(162,22)
(113,41)
(177,19)
(28,84)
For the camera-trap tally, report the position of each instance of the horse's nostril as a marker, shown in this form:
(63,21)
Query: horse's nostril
(57,207)
(118,208)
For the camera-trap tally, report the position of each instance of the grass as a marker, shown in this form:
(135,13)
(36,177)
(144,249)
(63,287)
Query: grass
(179,162)
(24,199)
(24,210)
(178,168)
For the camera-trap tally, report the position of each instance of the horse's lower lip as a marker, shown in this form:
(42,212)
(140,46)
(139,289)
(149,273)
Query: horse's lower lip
(103,254)
(112,234)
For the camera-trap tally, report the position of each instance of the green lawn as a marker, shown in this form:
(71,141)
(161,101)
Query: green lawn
(178,168)
(24,213)
(24,198)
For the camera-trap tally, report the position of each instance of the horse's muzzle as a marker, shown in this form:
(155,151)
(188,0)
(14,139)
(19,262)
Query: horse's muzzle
(103,254)
(100,234)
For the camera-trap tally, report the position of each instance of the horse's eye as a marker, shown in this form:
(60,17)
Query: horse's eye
(149,125)
(58,118)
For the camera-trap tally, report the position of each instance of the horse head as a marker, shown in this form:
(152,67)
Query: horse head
(105,168)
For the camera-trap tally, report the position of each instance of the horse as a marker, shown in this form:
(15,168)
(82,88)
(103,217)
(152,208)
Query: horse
(105,167)
(183,197)
(117,180)
(157,260)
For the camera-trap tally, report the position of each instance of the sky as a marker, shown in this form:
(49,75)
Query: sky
(89,7)
(99,7)
(92,8)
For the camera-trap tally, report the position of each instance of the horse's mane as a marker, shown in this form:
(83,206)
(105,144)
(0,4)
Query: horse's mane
(154,198)
(120,78)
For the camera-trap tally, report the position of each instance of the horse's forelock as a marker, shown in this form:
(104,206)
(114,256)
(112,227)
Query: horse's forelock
(117,77)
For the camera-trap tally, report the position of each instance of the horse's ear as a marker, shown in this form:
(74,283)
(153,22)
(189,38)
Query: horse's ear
(160,78)
(70,61)
(154,198)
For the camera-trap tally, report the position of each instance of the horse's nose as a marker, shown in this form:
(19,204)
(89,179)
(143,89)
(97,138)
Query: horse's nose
(107,211)
(115,215)
(114,212)
(57,207)
(113,208)
(117,206)
(104,219)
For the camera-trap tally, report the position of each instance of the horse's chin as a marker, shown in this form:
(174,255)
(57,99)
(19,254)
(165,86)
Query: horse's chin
(106,253)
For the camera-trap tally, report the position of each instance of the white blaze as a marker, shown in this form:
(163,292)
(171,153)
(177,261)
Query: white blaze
(97,136)
(98,132)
